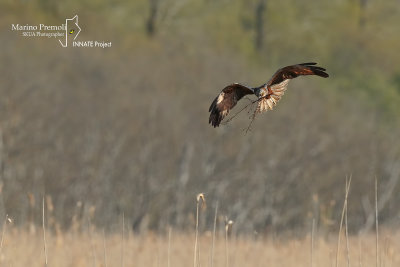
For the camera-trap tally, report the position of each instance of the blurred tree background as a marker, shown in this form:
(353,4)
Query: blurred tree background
(101,132)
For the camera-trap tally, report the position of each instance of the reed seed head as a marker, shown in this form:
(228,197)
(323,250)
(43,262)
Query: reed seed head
(228,226)
(201,200)
(9,219)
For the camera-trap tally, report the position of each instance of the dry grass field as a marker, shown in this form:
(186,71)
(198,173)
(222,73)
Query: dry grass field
(89,136)
(21,248)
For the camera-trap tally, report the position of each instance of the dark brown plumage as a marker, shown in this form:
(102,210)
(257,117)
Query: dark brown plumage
(226,100)
(268,94)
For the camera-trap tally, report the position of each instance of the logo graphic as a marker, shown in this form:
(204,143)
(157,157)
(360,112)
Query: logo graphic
(71,25)
(68,33)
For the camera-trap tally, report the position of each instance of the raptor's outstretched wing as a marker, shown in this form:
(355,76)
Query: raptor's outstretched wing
(225,101)
(293,71)
(277,85)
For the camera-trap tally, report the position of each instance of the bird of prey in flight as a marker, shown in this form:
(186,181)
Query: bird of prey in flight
(267,94)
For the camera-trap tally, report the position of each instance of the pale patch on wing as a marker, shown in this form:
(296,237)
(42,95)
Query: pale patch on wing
(220,97)
(278,90)
(280,86)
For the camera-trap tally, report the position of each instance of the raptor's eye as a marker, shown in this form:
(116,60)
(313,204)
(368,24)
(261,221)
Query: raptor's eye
(71,31)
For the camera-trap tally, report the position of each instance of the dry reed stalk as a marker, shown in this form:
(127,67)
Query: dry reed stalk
(104,249)
(347,233)
(312,242)
(122,240)
(31,223)
(92,243)
(44,234)
(169,247)
(228,229)
(341,220)
(376,223)
(196,237)
(200,199)
(226,248)
(360,251)
(4,231)
(213,237)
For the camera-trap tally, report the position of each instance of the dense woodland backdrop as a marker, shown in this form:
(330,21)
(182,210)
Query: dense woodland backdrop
(124,130)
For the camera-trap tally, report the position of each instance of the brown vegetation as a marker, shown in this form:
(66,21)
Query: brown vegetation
(124,130)
(81,249)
